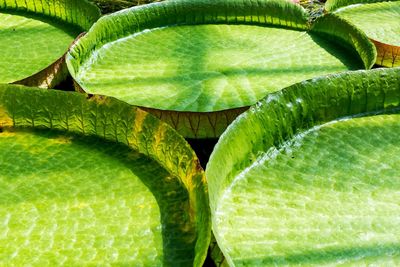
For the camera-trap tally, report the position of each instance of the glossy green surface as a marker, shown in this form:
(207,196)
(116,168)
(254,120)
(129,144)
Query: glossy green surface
(380,21)
(135,197)
(331,196)
(332,5)
(208,67)
(198,64)
(29,44)
(293,183)
(69,200)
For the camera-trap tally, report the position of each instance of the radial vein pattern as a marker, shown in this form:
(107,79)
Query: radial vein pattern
(208,68)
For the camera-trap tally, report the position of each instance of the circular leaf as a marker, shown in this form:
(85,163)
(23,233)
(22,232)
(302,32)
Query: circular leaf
(308,176)
(381,23)
(34,34)
(88,182)
(204,57)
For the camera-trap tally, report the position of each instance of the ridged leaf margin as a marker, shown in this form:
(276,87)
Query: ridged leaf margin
(185,12)
(388,55)
(198,125)
(344,33)
(281,115)
(116,121)
(80,13)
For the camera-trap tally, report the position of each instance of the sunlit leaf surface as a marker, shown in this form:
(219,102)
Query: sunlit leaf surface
(381,22)
(308,177)
(94,182)
(36,33)
(208,67)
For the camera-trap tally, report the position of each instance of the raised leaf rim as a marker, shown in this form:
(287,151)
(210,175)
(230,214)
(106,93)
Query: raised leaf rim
(116,121)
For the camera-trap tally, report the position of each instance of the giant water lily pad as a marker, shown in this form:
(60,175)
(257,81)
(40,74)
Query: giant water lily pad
(89,182)
(379,20)
(309,175)
(193,58)
(35,34)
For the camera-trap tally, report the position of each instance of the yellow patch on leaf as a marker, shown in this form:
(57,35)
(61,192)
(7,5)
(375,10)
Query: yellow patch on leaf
(5,120)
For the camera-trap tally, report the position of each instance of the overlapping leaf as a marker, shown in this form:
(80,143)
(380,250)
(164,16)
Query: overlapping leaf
(96,181)
(380,20)
(308,175)
(35,34)
(205,61)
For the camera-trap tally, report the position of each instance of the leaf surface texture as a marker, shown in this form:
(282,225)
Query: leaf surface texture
(96,181)
(308,175)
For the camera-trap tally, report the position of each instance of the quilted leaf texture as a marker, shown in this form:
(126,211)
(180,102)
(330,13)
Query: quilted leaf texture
(308,176)
(193,61)
(380,21)
(35,34)
(96,181)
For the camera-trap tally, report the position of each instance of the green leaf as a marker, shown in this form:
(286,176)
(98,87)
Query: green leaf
(96,181)
(196,58)
(381,23)
(308,176)
(340,32)
(34,34)
(332,5)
